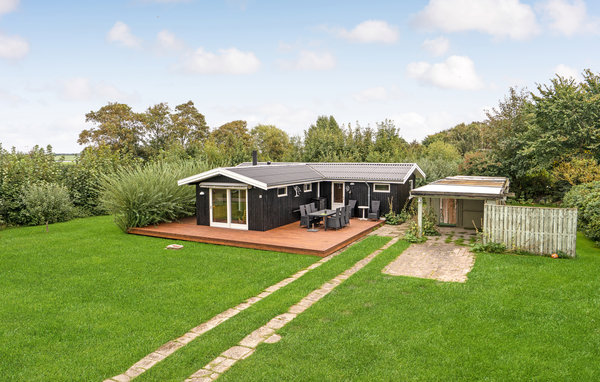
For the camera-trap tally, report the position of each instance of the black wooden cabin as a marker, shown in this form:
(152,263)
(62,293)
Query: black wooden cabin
(263,196)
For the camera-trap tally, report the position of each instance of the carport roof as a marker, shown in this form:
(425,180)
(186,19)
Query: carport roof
(480,187)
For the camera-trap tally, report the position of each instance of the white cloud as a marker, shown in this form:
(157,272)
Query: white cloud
(567,72)
(225,61)
(371,31)
(83,89)
(569,17)
(437,46)
(310,60)
(13,47)
(294,120)
(456,72)
(167,41)
(499,18)
(121,33)
(374,94)
(416,126)
(7,6)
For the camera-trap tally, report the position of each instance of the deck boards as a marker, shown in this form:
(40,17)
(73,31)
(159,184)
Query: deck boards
(288,238)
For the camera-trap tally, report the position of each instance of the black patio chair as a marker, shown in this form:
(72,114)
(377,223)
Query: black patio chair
(334,221)
(374,210)
(351,207)
(348,215)
(304,218)
(344,212)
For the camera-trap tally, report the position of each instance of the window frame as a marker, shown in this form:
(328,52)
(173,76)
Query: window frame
(307,187)
(282,195)
(388,185)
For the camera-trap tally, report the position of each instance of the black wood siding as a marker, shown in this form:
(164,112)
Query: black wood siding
(202,206)
(278,211)
(256,209)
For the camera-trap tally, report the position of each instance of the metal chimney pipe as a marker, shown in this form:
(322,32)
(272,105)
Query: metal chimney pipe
(254,158)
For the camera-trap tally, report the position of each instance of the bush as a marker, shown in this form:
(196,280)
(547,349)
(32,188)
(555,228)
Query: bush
(586,198)
(145,195)
(46,203)
(490,247)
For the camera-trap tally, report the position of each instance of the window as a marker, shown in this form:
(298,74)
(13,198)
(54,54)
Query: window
(381,187)
(411,184)
(308,187)
(282,191)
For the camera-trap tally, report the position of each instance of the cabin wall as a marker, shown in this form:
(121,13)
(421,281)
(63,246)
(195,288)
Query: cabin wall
(256,209)
(360,192)
(202,206)
(278,211)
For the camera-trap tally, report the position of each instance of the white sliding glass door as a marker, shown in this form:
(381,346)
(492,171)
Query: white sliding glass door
(229,208)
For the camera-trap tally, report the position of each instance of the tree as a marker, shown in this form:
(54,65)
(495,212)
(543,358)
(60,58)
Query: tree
(272,143)
(157,127)
(233,141)
(46,203)
(324,141)
(465,137)
(117,127)
(189,125)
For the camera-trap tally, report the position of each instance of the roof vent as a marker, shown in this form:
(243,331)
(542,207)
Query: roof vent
(269,162)
(254,158)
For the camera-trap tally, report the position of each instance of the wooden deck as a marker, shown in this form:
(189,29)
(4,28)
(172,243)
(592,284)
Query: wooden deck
(288,238)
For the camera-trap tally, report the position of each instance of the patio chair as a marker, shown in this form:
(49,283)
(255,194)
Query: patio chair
(374,210)
(345,220)
(335,221)
(313,208)
(351,207)
(348,215)
(304,218)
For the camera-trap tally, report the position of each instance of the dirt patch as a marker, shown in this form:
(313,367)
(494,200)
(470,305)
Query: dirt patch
(433,260)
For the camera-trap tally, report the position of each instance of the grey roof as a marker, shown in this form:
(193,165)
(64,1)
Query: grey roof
(278,174)
(480,187)
(384,172)
(275,175)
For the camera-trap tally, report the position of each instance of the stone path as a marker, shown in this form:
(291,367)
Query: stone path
(172,346)
(391,230)
(266,333)
(433,260)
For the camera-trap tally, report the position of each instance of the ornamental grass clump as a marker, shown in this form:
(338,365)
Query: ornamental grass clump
(148,194)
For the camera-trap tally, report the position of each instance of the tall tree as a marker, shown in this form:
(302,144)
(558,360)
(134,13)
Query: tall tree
(157,127)
(272,143)
(117,127)
(189,125)
(233,141)
(324,141)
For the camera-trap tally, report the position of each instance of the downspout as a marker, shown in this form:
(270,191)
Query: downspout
(368,195)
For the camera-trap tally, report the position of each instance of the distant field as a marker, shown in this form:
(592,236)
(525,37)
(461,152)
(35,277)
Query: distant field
(66,157)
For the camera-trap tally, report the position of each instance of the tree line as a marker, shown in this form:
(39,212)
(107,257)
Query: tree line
(546,141)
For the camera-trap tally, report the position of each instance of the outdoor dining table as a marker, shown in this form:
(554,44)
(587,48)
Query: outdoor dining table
(320,214)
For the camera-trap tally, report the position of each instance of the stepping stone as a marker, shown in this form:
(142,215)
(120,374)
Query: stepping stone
(237,352)
(274,338)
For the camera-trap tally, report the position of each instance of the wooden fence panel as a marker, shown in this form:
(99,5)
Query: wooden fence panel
(533,229)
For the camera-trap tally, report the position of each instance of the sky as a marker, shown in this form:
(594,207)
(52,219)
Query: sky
(426,65)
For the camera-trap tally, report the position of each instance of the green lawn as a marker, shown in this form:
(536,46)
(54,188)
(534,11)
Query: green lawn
(85,301)
(517,318)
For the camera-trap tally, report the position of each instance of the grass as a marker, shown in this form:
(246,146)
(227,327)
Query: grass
(85,301)
(517,318)
(207,347)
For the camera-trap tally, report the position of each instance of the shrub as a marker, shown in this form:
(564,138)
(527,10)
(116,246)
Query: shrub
(586,198)
(393,218)
(145,195)
(46,203)
(490,247)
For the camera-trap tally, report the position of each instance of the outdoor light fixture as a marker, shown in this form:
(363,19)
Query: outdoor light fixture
(201,193)
(352,184)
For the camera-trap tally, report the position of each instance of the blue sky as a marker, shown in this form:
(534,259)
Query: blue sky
(427,65)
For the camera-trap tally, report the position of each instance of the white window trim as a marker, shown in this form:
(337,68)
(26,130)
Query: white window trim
(382,184)
(411,184)
(286,192)
(307,187)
